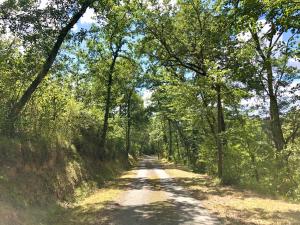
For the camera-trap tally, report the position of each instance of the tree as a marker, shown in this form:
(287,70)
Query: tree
(187,40)
(274,53)
(10,16)
(111,46)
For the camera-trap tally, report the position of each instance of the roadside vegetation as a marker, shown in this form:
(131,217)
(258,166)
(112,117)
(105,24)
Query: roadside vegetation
(234,204)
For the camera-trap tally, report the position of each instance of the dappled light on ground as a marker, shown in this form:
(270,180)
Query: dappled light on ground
(158,194)
(150,197)
(235,206)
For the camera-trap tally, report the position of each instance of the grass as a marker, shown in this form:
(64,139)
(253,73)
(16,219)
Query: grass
(236,206)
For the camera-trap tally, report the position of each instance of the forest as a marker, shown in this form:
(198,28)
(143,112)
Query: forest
(213,85)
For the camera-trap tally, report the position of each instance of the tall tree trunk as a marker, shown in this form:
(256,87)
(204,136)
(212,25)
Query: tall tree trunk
(19,106)
(128,128)
(184,140)
(220,129)
(253,160)
(170,139)
(108,102)
(276,127)
(178,147)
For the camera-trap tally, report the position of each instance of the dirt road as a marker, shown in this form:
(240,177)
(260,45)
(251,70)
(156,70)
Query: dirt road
(153,198)
(156,193)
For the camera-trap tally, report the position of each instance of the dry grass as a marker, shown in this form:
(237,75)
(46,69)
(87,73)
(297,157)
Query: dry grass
(234,206)
(109,193)
(87,211)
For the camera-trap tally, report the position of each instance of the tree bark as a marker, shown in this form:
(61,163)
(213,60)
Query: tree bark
(220,129)
(128,129)
(170,140)
(19,106)
(108,101)
(178,148)
(276,127)
(253,160)
(184,140)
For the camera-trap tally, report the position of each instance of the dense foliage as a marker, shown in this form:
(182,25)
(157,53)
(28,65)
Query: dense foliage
(223,75)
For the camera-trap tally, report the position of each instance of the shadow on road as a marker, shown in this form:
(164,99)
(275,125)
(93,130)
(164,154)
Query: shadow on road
(158,213)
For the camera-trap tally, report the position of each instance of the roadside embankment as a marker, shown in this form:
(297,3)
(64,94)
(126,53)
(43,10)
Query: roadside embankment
(35,185)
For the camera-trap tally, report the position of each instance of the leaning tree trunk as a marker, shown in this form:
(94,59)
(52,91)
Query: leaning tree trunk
(19,106)
(220,130)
